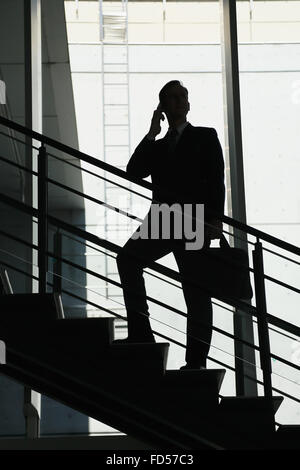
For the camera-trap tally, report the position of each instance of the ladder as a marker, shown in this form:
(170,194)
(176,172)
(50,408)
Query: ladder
(113,20)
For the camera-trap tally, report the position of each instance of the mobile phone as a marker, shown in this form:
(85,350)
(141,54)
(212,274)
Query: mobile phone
(160,108)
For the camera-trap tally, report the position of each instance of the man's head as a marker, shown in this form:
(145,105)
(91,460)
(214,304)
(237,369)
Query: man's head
(174,100)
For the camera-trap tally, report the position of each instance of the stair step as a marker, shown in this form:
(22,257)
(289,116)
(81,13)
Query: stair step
(254,415)
(176,393)
(251,404)
(28,308)
(237,422)
(199,378)
(91,361)
(132,366)
(287,436)
(289,429)
(106,405)
(88,330)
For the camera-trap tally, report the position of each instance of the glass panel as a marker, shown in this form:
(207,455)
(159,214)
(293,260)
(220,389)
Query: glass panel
(269,52)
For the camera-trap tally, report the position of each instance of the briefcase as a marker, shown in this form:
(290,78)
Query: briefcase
(223,272)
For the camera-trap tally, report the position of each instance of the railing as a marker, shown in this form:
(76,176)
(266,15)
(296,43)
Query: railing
(263,318)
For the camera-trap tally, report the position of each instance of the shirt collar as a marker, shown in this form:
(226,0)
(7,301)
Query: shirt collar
(180,128)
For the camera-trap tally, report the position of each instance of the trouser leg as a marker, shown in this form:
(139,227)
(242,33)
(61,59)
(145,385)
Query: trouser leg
(199,330)
(132,259)
(199,310)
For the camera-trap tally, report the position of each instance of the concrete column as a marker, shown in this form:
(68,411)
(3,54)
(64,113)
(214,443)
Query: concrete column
(33,120)
(243,325)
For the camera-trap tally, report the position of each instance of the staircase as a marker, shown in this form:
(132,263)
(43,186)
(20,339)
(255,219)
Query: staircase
(128,387)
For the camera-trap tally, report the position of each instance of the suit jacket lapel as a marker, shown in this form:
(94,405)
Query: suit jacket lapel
(184,139)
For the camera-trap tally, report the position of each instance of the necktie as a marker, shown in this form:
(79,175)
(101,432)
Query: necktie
(172,140)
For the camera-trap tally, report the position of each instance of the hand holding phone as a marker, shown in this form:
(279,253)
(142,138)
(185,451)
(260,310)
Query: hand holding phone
(155,127)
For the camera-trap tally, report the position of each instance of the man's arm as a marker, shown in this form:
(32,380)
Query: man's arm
(140,162)
(216,186)
(216,176)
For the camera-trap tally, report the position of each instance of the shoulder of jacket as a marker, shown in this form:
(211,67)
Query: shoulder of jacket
(209,131)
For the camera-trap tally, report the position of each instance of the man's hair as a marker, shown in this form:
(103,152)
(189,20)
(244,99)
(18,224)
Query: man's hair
(165,88)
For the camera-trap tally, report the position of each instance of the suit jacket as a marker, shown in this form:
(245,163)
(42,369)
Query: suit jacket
(194,173)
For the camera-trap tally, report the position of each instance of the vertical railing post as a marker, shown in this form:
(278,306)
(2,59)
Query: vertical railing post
(262,322)
(42,219)
(57,271)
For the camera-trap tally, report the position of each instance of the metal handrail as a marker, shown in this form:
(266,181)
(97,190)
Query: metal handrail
(116,171)
(260,311)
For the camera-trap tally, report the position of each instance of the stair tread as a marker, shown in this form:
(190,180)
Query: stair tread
(250,403)
(28,308)
(133,346)
(195,377)
(289,428)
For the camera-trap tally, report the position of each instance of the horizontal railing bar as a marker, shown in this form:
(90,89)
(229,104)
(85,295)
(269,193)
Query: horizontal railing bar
(4,263)
(281,256)
(100,177)
(71,151)
(282,284)
(110,168)
(283,324)
(21,206)
(277,331)
(285,394)
(93,199)
(19,240)
(284,361)
(17,165)
(18,140)
(113,257)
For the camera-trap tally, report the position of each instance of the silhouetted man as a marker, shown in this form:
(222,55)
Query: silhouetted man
(186,167)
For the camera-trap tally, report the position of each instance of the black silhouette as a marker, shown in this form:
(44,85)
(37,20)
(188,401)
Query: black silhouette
(186,166)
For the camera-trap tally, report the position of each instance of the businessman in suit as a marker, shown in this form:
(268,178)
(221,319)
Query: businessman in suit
(186,167)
